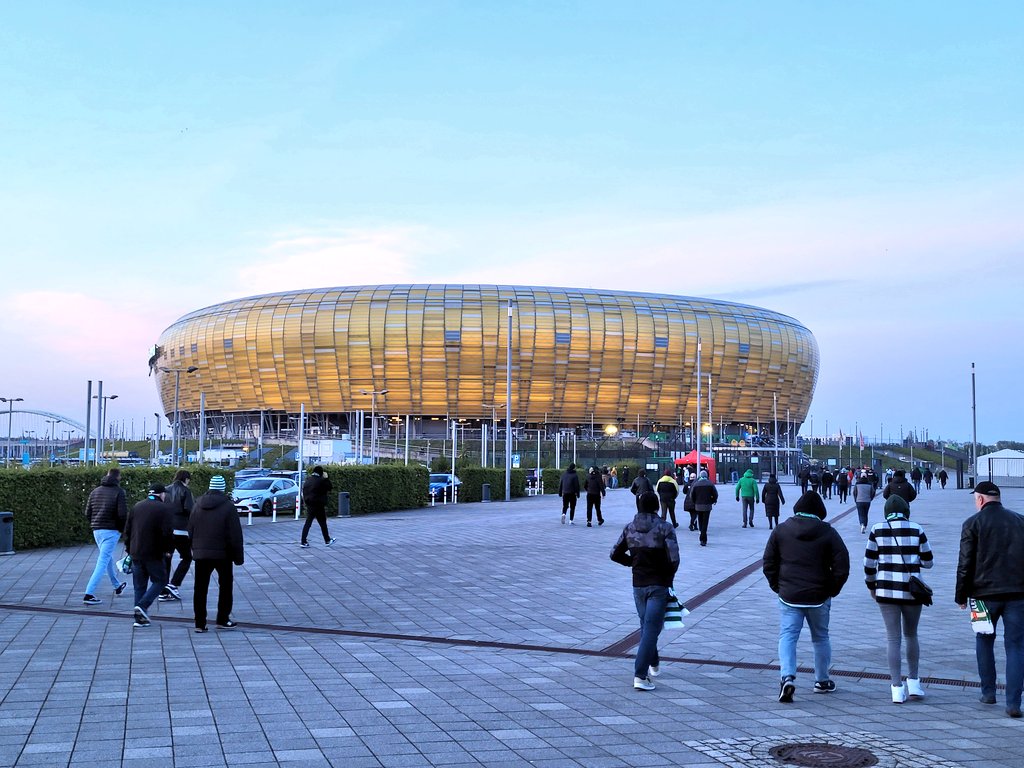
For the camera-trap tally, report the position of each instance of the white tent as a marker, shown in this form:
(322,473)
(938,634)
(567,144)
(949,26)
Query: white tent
(1006,463)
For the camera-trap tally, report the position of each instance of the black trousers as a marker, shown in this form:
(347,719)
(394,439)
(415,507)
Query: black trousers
(319,514)
(668,507)
(181,546)
(703,518)
(569,503)
(225,592)
(594,502)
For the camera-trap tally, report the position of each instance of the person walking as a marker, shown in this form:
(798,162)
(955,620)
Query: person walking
(815,478)
(315,491)
(179,498)
(595,488)
(641,485)
(107,511)
(863,493)
(704,495)
(827,480)
(668,490)
(915,477)
(896,550)
(149,539)
(614,474)
(569,490)
(943,478)
(216,537)
(806,564)
(900,487)
(843,486)
(648,545)
(771,496)
(688,500)
(989,569)
(804,476)
(928,476)
(747,492)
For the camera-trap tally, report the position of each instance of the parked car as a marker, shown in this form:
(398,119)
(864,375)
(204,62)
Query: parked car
(258,493)
(442,483)
(249,473)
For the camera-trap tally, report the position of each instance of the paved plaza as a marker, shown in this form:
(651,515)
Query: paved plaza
(480,635)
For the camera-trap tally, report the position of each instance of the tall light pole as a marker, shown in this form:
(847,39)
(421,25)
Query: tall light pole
(52,436)
(10,418)
(494,428)
(373,421)
(102,418)
(156,438)
(508,408)
(177,386)
(697,425)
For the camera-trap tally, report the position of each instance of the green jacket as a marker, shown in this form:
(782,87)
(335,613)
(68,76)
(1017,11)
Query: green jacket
(747,487)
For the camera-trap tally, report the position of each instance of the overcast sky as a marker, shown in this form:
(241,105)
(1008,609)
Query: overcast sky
(856,166)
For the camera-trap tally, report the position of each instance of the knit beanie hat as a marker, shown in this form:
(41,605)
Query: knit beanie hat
(703,474)
(811,504)
(217,483)
(897,505)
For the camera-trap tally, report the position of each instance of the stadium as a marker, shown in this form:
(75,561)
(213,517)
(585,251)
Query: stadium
(580,359)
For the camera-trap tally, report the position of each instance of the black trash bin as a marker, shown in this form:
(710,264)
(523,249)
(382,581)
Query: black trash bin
(344,509)
(485,492)
(6,533)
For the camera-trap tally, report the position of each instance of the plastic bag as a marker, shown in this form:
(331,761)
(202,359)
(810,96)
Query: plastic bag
(981,619)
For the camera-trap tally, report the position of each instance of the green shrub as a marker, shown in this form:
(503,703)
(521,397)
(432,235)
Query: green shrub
(474,478)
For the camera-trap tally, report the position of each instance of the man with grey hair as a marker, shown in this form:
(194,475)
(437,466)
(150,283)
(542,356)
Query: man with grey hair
(703,495)
(989,569)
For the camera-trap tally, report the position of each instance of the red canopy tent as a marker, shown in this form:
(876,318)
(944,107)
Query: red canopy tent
(706,462)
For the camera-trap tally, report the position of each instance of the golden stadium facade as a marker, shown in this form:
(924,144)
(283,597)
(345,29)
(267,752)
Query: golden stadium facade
(579,356)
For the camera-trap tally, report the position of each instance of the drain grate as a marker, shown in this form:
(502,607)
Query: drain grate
(812,755)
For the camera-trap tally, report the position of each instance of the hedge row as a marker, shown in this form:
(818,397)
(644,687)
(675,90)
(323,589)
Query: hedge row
(48,503)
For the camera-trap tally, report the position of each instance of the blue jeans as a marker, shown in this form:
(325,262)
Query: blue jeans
(1012,614)
(791,624)
(149,577)
(650,607)
(106,540)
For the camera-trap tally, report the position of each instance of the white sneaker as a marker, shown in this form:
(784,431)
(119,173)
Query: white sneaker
(572,522)
(563,518)
(653,671)
(914,689)
(899,694)
(643,684)
(863,529)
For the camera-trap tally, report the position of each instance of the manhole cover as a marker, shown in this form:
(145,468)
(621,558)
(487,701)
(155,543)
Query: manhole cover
(823,756)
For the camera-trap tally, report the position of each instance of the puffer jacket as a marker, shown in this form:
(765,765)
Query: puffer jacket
(806,561)
(214,530)
(667,487)
(569,484)
(864,491)
(896,549)
(704,495)
(648,545)
(991,553)
(901,487)
(746,488)
(107,508)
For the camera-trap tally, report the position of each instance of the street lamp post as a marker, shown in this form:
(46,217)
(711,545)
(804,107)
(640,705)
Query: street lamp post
(102,419)
(494,428)
(51,438)
(177,385)
(373,421)
(10,418)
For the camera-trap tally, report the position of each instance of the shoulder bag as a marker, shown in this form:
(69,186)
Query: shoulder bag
(920,591)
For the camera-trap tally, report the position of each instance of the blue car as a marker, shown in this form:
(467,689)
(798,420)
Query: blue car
(442,484)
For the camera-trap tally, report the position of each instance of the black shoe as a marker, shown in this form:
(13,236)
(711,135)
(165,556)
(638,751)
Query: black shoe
(824,686)
(120,587)
(744,525)
(91,600)
(703,543)
(786,690)
(601,521)
(987,699)
(589,525)
(1013,712)
(227,625)
(675,525)
(141,619)
(200,630)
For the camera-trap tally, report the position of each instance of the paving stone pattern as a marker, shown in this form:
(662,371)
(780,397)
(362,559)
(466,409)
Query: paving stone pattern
(474,635)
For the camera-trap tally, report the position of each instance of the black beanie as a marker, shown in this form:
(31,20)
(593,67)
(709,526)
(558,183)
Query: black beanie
(811,504)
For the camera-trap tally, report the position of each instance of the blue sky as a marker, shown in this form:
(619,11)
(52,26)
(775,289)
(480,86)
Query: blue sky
(856,166)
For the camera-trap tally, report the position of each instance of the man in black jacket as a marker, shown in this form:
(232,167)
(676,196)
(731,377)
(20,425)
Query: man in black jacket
(315,491)
(179,498)
(703,495)
(900,486)
(990,569)
(648,545)
(569,490)
(216,537)
(806,564)
(107,510)
(148,539)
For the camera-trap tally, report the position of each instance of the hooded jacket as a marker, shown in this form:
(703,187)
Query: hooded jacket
(901,487)
(806,561)
(214,530)
(991,553)
(569,483)
(107,508)
(148,532)
(315,490)
(772,497)
(746,488)
(864,490)
(667,487)
(648,545)
(594,484)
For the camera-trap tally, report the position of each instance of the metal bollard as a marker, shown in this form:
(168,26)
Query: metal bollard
(273,509)
(6,533)
(250,516)
(344,505)
(485,492)
(455,494)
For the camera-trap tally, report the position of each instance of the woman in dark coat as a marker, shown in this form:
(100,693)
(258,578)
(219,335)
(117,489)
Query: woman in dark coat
(772,498)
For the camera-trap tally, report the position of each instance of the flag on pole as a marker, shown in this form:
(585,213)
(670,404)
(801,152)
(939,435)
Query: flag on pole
(862,441)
